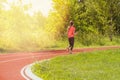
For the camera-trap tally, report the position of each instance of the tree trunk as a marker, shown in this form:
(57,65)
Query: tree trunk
(111,31)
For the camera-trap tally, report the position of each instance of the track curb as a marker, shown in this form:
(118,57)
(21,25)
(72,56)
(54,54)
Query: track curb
(27,73)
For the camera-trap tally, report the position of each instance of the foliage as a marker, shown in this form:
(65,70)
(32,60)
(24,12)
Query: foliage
(96,17)
(94,21)
(21,32)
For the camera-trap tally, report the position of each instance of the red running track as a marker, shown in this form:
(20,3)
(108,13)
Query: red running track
(11,64)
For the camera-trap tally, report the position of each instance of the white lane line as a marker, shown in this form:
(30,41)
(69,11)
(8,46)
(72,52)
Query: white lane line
(14,60)
(20,55)
(17,59)
(16,55)
(27,73)
(2,56)
(30,56)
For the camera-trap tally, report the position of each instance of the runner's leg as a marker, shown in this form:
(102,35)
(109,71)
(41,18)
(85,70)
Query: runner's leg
(72,43)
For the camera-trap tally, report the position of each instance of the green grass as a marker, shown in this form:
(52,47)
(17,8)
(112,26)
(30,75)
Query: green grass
(98,65)
(79,42)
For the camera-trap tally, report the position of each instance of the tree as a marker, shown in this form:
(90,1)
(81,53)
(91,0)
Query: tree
(96,17)
(93,15)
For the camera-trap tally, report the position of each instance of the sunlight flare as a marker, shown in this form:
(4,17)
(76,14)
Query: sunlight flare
(43,6)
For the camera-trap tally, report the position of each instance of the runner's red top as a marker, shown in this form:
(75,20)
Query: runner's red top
(71,31)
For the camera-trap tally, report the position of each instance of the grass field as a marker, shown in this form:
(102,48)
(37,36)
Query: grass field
(98,65)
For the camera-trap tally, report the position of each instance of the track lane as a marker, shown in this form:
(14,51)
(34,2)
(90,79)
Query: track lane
(11,64)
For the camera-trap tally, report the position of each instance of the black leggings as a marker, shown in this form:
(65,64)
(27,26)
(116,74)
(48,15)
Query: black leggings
(71,43)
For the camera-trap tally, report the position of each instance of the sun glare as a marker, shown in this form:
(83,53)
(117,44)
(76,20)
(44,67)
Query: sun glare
(37,5)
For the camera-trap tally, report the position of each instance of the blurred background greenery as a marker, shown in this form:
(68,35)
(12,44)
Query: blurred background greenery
(97,23)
